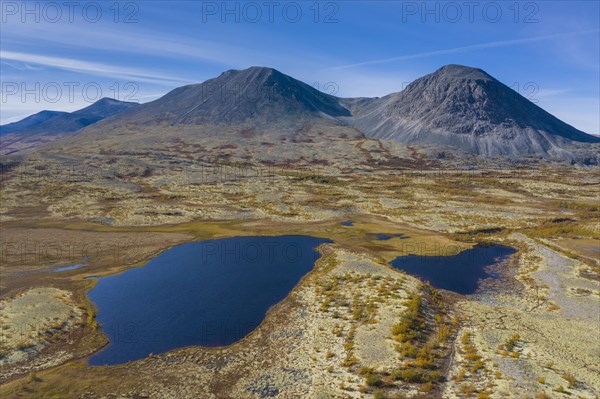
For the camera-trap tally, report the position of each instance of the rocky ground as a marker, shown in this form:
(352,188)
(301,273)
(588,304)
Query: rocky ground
(31,320)
(540,338)
(337,335)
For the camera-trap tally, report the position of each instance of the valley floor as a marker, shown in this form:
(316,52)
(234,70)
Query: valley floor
(354,327)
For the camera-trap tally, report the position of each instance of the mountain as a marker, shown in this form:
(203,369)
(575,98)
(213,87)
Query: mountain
(251,113)
(262,95)
(55,122)
(257,113)
(466,108)
(46,126)
(30,122)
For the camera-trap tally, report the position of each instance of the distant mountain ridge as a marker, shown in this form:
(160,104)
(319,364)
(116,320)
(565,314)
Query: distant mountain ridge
(46,126)
(30,121)
(53,122)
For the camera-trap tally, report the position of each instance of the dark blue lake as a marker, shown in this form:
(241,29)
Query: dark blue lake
(385,236)
(208,293)
(459,272)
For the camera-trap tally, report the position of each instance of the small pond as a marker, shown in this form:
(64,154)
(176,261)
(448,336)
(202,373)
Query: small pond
(208,293)
(66,268)
(460,272)
(386,236)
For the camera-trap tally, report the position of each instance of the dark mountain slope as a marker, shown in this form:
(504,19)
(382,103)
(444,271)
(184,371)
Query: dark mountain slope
(262,95)
(466,108)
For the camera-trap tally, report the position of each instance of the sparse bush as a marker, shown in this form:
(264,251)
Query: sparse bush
(350,360)
(34,378)
(570,378)
(409,350)
(466,338)
(379,394)
(417,375)
(373,380)
(471,355)
(467,390)
(455,320)
(560,389)
(24,345)
(461,375)
(478,365)
(512,342)
(443,332)
(428,387)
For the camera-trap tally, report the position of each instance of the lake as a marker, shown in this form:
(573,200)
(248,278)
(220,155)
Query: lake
(460,272)
(208,293)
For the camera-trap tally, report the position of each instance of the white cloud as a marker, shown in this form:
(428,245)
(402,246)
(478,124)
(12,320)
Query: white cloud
(543,93)
(94,68)
(138,42)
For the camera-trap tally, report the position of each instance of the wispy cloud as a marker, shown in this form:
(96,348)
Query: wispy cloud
(138,42)
(543,93)
(94,68)
(21,66)
(493,44)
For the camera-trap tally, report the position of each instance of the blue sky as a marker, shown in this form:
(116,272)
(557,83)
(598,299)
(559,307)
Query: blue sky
(59,56)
